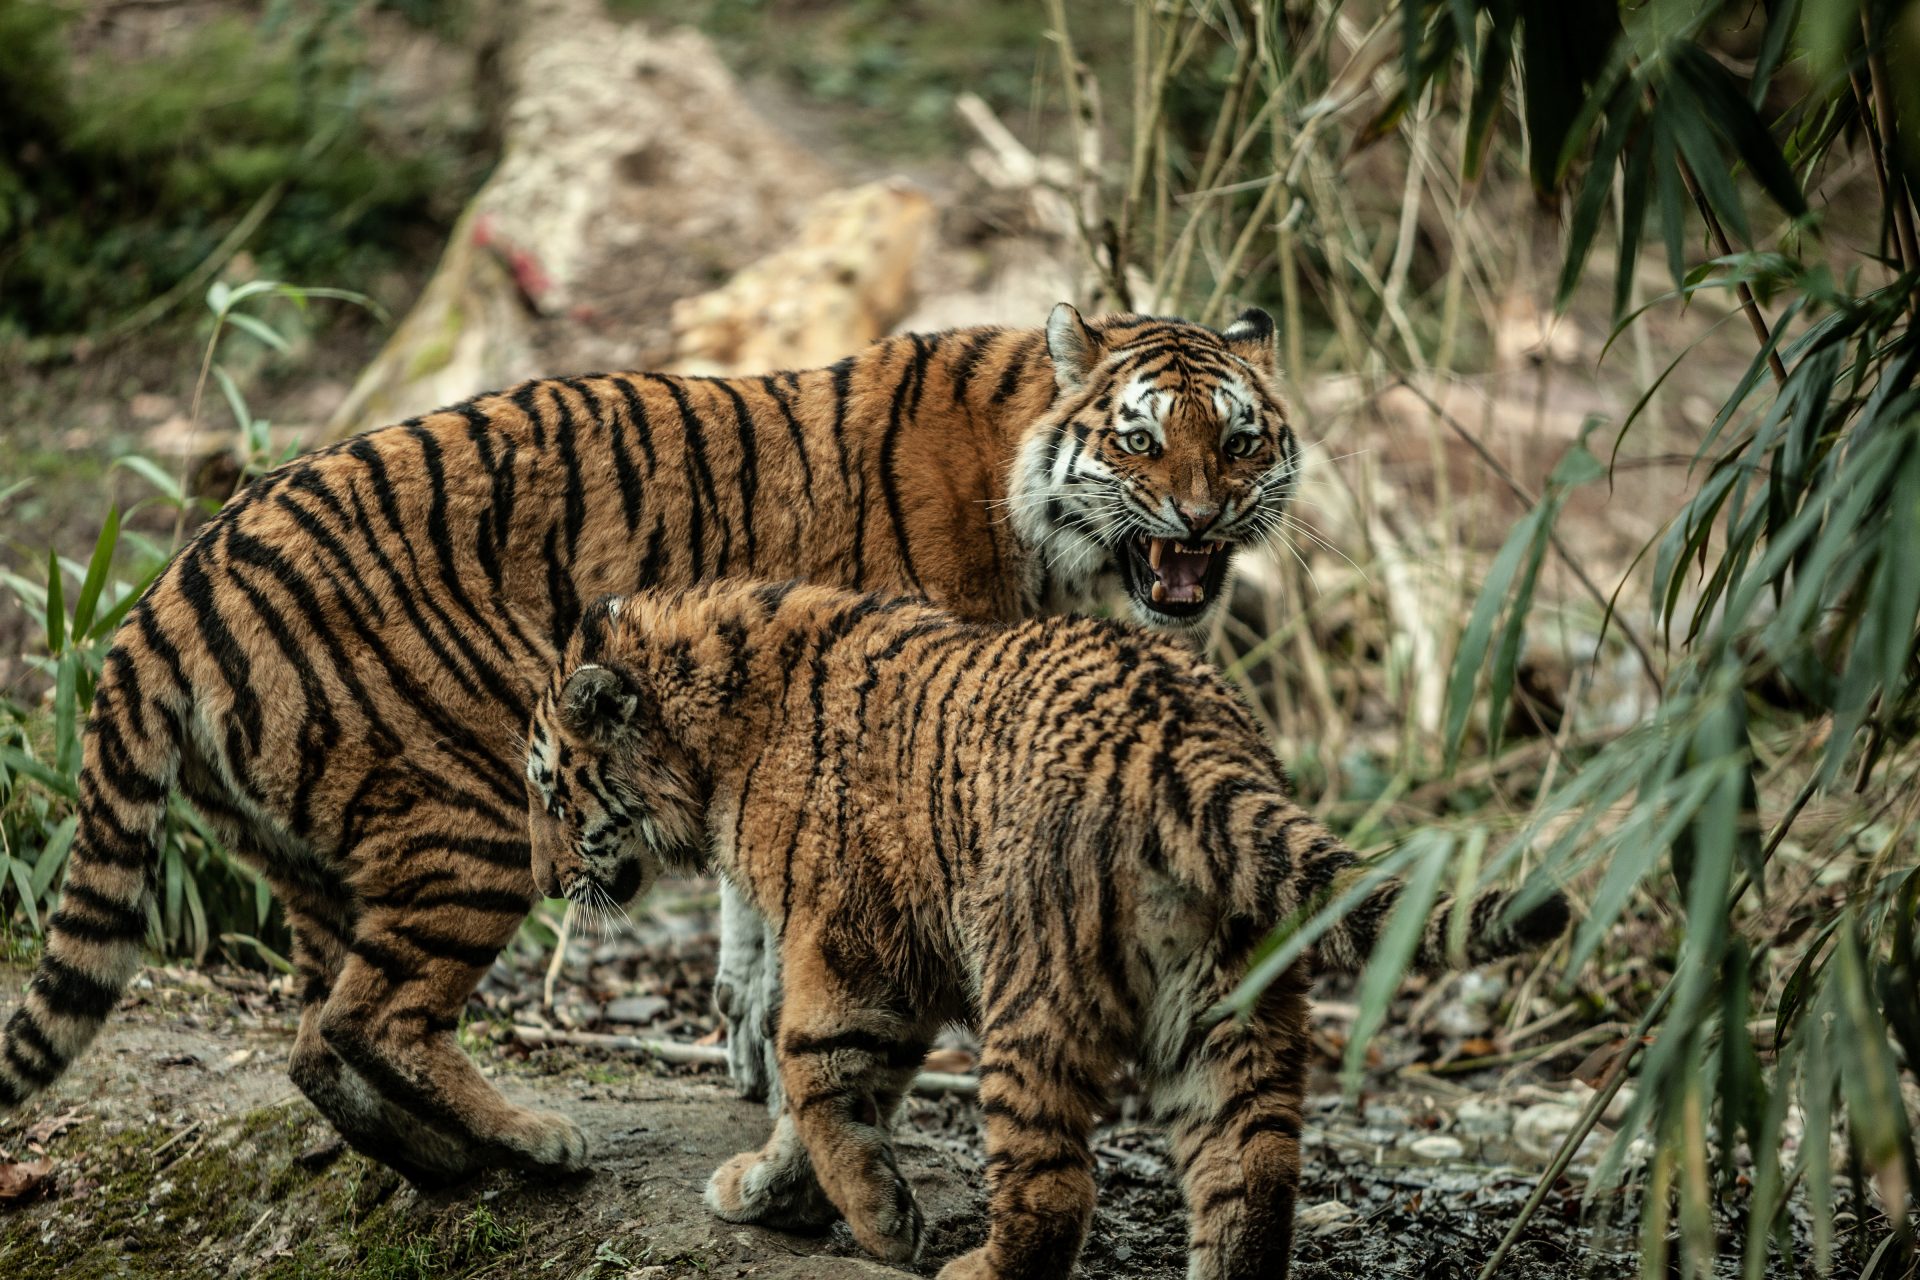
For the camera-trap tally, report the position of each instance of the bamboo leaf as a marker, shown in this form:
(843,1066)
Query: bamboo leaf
(1737,121)
(236,402)
(23,886)
(151,472)
(53,855)
(56,619)
(259,329)
(1472,653)
(96,578)
(1395,947)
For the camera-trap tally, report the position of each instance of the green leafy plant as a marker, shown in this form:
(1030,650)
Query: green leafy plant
(1780,638)
(203,894)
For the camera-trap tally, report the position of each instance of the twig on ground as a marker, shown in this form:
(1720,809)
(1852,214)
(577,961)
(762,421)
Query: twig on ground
(559,959)
(927,1082)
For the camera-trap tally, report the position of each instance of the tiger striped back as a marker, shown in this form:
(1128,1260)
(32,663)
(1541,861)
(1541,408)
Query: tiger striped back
(1068,832)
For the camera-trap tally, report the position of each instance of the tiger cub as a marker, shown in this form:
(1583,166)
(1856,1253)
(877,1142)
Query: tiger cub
(1066,832)
(336,671)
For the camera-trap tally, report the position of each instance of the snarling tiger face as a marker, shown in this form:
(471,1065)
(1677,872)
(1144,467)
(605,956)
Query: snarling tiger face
(1166,450)
(609,805)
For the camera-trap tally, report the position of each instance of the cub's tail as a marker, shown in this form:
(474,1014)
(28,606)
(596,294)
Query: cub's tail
(1494,928)
(1286,863)
(93,940)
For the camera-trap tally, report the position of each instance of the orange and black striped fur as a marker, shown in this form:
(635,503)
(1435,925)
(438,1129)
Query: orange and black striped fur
(338,668)
(1067,832)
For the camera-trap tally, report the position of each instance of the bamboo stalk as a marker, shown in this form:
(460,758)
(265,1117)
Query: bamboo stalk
(1879,135)
(1748,303)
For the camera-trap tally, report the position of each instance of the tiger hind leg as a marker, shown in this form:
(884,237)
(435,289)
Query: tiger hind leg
(746,995)
(367,1121)
(391,1019)
(1233,1105)
(1042,1087)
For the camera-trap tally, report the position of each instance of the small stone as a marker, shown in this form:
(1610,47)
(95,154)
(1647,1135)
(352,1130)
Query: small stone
(1479,1119)
(1326,1217)
(1539,1129)
(637,1010)
(1461,1020)
(1438,1147)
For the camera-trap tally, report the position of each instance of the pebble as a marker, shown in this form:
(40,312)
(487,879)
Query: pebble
(1539,1129)
(1325,1217)
(1438,1147)
(1479,1119)
(637,1010)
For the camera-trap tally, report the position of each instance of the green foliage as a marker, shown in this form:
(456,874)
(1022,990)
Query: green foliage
(203,894)
(1790,566)
(119,177)
(1786,587)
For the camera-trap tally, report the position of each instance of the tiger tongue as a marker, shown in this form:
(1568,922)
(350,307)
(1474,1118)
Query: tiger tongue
(1179,571)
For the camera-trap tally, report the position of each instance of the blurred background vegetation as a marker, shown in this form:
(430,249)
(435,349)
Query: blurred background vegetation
(1604,574)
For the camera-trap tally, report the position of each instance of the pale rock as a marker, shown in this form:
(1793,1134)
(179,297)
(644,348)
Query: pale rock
(1437,1147)
(1538,1129)
(1325,1217)
(636,1010)
(1478,1119)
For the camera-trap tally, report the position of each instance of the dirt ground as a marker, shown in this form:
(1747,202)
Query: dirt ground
(177,1147)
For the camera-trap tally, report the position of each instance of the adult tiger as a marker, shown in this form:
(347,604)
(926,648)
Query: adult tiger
(338,668)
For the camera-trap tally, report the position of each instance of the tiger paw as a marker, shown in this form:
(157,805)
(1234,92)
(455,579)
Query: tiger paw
(547,1142)
(783,1195)
(889,1225)
(969,1266)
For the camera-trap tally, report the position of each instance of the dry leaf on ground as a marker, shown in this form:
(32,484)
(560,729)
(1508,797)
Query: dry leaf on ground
(21,1181)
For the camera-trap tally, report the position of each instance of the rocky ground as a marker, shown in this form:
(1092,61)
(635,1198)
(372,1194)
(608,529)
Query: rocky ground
(177,1147)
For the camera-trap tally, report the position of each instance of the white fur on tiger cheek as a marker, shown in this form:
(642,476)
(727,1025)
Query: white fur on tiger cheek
(1067,552)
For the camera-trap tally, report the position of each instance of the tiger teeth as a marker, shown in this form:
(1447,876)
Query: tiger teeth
(1156,551)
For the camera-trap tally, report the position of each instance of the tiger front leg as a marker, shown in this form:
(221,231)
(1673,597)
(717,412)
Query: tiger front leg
(773,1187)
(846,1061)
(746,995)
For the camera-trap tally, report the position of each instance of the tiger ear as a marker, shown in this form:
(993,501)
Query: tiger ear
(598,703)
(1072,347)
(1251,337)
(596,623)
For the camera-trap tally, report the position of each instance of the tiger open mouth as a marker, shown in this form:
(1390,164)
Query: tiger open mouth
(1173,578)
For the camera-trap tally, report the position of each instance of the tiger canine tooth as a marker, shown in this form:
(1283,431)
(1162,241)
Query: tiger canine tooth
(1156,550)
(1159,593)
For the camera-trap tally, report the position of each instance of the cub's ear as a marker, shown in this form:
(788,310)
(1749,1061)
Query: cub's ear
(598,703)
(596,623)
(1072,346)
(1251,337)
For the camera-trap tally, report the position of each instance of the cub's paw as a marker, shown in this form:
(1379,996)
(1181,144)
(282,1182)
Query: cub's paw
(547,1142)
(969,1266)
(780,1194)
(889,1225)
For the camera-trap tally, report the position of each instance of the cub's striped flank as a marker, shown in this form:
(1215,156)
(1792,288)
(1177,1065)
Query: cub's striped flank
(1067,832)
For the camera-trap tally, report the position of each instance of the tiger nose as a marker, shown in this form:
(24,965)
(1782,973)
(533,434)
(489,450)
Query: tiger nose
(1198,516)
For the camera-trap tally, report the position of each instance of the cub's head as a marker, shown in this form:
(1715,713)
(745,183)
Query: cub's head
(611,794)
(1166,449)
